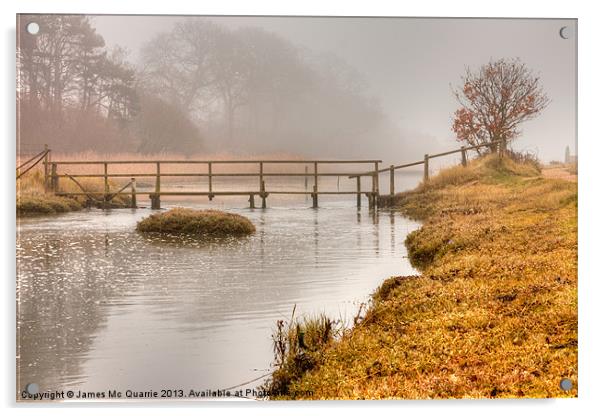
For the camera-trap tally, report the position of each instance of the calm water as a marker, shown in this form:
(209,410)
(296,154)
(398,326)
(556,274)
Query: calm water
(103,307)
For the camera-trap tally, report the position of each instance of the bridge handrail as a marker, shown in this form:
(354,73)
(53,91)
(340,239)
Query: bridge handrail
(215,162)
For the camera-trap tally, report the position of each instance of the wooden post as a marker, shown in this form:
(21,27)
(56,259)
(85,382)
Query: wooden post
(392,180)
(426,168)
(374,196)
(158,179)
(376,178)
(464,161)
(306,179)
(133,202)
(261,186)
(54,179)
(263,195)
(155,201)
(106,179)
(210,180)
(251,200)
(156,197)
(371,197)
(314,196)
(359,190)
(46,167)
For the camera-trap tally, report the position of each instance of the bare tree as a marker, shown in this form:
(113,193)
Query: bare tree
(178,65)
(231,69)
(495,100)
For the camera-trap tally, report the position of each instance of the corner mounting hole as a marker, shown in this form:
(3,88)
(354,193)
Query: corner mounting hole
(32,388)
(33,28)
(566,384)
(566,32)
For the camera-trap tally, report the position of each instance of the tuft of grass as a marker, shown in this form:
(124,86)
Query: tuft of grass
(197,222)
(494,311)
(298,347)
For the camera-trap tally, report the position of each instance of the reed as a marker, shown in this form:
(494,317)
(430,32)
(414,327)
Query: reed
(298,345)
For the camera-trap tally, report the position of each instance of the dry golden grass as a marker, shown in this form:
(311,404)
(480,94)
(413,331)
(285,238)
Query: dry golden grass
(198,223)
(93,155)
(30,205)
(33,199)
(150,168)
(494,312)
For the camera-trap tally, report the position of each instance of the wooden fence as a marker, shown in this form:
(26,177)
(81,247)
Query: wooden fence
(30,163)
(499,146)
(52,176)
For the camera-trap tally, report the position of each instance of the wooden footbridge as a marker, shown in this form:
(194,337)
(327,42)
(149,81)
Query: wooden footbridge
(55,172)
(75,171)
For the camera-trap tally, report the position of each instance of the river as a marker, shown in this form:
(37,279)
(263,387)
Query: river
(101,307)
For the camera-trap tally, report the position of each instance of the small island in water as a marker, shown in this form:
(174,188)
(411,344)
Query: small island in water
(199,223)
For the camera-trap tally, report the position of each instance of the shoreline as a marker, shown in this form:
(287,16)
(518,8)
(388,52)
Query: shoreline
(494,311)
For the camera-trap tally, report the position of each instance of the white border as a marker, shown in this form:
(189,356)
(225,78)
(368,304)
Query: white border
(589,223)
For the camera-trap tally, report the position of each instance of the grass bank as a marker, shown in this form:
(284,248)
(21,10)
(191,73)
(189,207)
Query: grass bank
(197,222)
(33,199)
(494,311)
(32,205)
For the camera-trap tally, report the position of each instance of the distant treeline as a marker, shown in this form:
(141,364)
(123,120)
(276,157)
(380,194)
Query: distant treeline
(199,87)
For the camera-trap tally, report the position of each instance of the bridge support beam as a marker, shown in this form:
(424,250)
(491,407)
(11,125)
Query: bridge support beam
(372,200)
(264,195)
(133,204)
(155,201)
(359,189)
(314,198)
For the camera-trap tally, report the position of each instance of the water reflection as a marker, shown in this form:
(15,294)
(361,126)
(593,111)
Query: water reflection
(102,306)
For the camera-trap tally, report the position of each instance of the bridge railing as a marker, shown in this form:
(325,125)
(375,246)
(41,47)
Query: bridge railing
(463,150)
(261,190)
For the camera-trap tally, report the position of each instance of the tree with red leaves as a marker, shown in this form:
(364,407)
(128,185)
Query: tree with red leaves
(494,101)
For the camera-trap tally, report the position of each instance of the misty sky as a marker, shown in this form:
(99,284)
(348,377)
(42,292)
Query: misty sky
(409,64)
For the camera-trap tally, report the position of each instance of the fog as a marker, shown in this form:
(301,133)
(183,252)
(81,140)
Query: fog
(402,71)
